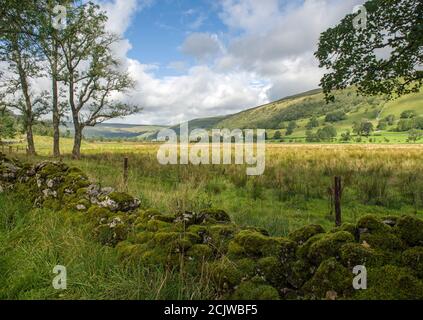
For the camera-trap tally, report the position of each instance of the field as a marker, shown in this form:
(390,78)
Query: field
(378,179)
(381,179)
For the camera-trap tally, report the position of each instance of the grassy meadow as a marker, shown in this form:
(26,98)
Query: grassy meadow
(294,190)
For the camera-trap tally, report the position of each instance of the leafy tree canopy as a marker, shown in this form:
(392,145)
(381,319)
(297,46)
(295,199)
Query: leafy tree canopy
(384,56)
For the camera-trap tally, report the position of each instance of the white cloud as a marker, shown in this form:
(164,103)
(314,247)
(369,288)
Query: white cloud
(202,46)
(268,54)
(201,92)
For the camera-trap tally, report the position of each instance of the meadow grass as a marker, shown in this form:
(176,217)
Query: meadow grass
(33,241)
(294,190)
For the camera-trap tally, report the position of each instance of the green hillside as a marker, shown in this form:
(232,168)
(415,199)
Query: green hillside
(300,108)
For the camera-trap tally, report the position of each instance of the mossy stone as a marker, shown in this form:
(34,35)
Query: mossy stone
(257,244)
(354,254)
(330,276)
(391,283)
(413,258)
(255,289)
(410,229)
(301,235)
(328,246)
(383,241)
(372,224)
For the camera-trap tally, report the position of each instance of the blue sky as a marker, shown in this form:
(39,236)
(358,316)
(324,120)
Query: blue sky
(157,31)
(199,58)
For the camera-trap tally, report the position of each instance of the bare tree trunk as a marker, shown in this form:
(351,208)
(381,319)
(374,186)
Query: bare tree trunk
(337,198)
(30,140)
(56,120)
(28,104)
(55,105)
(77,140)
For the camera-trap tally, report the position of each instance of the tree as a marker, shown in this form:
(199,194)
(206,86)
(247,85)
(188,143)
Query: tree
(408,114)
(277,135)
(47,39)
(346,136)
(351,55)
(23,63)
(292,125)
(327,133)
(414,135)
(390,119)
(335,116)
(363,128)
(92,74)
(7,125)
(311,137)
(313,123)
(382,125)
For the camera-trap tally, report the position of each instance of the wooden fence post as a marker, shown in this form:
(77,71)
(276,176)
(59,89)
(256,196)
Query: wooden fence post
(337,194)
(125,172)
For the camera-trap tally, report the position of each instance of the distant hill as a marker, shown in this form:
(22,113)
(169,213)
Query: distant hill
(302,107)
(276,115)
(117,131)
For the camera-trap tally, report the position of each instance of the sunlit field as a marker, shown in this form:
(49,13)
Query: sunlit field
(294,190)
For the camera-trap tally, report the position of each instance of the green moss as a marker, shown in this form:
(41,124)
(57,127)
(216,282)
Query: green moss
(156,257)
(53,170)
(225,274)
(391,283)
(255,289)
(302,251)
(200,252)
(410,229)
(270,268)
(219,236)
(96,213)
(354,254)
(155,225)
(213,216)
(383,241)
(349,227)
(330,276)
(328,246)
(301,272)
(236,251)
(413,258)
(302,235)
(372,224)
(120,197)
(257,244)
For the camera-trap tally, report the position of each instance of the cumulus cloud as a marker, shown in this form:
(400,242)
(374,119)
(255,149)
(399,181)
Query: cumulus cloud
(200,93)
(280,48)
(267,53)
(201,46)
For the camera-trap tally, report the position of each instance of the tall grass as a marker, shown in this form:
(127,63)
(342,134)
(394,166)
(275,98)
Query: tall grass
(32,242)
(293,191)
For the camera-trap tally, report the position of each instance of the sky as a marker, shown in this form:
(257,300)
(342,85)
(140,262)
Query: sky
(200,58)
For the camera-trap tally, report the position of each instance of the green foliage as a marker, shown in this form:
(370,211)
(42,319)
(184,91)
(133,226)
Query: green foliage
(408,114)
(7,126)
(363,128)
(351,57)
(335,116)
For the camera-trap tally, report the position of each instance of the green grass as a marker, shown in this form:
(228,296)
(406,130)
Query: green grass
(33,241)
